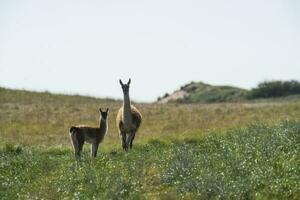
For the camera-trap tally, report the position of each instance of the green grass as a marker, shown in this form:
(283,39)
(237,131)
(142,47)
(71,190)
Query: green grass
(258,162)
(209,94)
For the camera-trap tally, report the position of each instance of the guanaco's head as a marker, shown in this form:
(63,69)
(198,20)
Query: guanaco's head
(125,87)
(104,114)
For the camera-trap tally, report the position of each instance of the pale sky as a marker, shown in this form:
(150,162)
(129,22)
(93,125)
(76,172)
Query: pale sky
(85,46)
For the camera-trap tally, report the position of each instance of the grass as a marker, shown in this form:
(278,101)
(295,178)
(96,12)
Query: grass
(209,94)
(198,151)
(258,162)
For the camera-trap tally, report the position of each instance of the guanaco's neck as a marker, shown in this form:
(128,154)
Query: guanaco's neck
(127,117)
(103,125)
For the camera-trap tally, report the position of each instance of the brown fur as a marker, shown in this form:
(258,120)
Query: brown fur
(136,122)
(128,119)
(81,134)
(88,134)
(136,119)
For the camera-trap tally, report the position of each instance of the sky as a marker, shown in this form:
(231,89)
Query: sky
(85,47)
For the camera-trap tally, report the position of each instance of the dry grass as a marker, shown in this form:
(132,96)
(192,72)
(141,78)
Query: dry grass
(28,118)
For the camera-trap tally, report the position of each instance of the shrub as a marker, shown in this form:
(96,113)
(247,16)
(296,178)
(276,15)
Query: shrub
(166,95)
(270,89)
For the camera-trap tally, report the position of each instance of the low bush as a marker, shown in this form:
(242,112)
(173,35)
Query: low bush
(270,89)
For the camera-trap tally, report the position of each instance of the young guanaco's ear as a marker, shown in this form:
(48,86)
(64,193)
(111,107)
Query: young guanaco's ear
(129,81)
(107,110)
(100,110)
(121,82)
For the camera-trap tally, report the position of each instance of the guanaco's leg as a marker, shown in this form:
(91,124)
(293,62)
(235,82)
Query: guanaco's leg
(80,146)
(75,145)
(132,138)
(94,149)
(123,135)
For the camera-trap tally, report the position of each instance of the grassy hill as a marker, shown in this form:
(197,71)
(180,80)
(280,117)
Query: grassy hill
(225,150)
(199,92)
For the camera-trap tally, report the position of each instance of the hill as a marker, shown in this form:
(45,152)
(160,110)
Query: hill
(199,92)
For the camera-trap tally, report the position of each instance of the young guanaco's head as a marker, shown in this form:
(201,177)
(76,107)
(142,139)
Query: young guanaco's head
(125,87)
(104,114)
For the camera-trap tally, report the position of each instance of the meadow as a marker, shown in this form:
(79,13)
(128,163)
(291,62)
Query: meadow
(247,150)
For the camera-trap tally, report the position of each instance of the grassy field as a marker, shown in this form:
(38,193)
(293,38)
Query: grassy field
(204,151)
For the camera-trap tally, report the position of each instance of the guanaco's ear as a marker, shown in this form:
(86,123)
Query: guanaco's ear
(121,82)
(100,110)
(107,110)
(129,81)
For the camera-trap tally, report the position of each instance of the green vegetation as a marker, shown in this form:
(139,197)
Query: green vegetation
(198,92)
(257,162)
(207,94)
(269,89)
(190,151)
